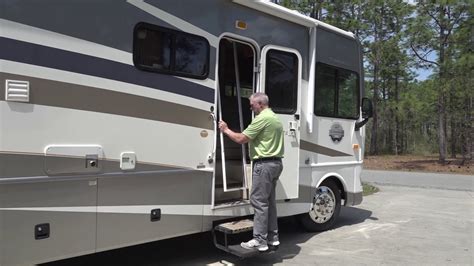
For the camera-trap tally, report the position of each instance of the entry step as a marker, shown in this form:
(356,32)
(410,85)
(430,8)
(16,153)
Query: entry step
(242,252)
(235,227)
(229,235)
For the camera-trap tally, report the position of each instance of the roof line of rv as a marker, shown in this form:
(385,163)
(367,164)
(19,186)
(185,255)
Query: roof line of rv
(290,15)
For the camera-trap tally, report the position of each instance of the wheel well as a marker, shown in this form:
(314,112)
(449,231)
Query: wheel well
(338,183)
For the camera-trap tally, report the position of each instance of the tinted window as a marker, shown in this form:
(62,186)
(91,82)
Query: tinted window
(191,55)
(348,95)
(171,52)
(153,49)
(325,92)
(281,81)
(337,92)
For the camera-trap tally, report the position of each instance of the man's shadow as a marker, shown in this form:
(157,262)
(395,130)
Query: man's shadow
(292,235)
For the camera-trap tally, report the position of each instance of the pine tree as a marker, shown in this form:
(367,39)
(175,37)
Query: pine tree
(431,33)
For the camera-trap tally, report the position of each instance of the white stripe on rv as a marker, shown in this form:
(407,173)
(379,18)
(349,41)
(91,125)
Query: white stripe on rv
(21,32)
(205,210)
(115,133)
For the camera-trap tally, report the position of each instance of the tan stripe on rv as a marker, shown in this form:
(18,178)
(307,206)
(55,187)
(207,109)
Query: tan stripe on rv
(308,146)
(73,96)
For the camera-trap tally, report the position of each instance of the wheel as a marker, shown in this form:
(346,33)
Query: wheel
(325,208)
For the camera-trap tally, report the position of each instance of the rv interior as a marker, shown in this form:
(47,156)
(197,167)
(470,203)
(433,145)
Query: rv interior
(232,159)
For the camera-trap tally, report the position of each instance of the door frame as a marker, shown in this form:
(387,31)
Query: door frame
(256,49)
(287,187)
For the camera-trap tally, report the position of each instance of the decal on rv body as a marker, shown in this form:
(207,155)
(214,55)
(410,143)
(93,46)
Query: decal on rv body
(73,96)
(311,147)
(35,54)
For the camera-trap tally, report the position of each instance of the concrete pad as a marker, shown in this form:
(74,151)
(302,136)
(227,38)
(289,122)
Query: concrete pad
(396,226)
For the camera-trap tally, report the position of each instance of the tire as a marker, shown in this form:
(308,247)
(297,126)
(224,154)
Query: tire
(325,208)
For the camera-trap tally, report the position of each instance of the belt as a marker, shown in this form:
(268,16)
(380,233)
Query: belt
(264,159)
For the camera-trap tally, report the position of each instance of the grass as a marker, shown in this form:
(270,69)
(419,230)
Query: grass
(368,189)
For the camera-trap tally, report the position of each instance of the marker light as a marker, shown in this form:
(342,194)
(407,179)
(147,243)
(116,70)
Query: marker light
(240,25)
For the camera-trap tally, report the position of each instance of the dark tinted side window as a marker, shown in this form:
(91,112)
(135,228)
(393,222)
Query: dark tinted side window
(281,81)
(348,100)
(325,92)
(336,93)
(191,55)
(167,51)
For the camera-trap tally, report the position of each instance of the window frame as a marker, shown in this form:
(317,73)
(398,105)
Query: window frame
(336,96)
(294,104)
(174,34)
(263,74)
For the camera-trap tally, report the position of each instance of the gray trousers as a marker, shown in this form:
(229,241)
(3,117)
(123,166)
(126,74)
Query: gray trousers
(264,178)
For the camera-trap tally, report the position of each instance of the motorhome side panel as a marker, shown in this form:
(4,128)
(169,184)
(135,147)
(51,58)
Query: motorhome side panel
(335,148)
(85,90)
(35,207)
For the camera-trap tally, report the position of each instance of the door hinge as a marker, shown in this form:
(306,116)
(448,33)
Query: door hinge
(256,69)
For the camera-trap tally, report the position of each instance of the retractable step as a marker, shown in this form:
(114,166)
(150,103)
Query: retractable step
(235,227)
(228,236)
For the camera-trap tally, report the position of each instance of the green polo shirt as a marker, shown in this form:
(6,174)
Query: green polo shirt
(266,135)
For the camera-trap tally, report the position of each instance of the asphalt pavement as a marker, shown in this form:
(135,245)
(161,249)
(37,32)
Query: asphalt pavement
(417,179)
(417,223)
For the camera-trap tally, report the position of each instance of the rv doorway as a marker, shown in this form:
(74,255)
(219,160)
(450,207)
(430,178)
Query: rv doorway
(236,83)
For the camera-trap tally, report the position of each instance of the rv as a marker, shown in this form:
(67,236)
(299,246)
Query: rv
(109,112)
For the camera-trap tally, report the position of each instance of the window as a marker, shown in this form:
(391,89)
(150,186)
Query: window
(163,50)
(337,92)
(281,81)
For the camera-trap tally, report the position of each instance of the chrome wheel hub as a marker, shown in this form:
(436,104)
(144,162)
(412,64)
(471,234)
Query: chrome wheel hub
(323,206)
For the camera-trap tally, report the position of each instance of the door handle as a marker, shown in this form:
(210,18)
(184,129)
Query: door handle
(212,116)
(292,126)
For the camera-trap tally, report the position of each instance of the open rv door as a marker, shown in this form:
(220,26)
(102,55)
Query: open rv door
(281,81)
(243,147)
(235,83)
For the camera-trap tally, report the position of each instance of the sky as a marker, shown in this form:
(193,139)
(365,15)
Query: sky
(423,74)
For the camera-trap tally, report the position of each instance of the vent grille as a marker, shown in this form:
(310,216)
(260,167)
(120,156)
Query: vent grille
(17,90)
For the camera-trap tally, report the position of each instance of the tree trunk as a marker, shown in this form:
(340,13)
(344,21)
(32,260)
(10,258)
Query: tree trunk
(373,135)
(467,134)
(453,138)
(441,89)
(316,10)
(374,131)
(375,83)
(396,132)
(402,135)
(394,135)
(441,130)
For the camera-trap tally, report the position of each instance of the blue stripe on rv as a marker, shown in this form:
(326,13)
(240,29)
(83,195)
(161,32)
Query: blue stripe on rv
(35,54)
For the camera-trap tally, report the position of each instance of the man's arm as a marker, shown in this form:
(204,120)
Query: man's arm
(234,136)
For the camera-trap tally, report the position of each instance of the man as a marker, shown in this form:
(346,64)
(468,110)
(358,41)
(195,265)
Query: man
(265,135)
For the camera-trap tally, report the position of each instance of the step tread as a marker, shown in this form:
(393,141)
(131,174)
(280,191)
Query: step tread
(242,252)
(235,226)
